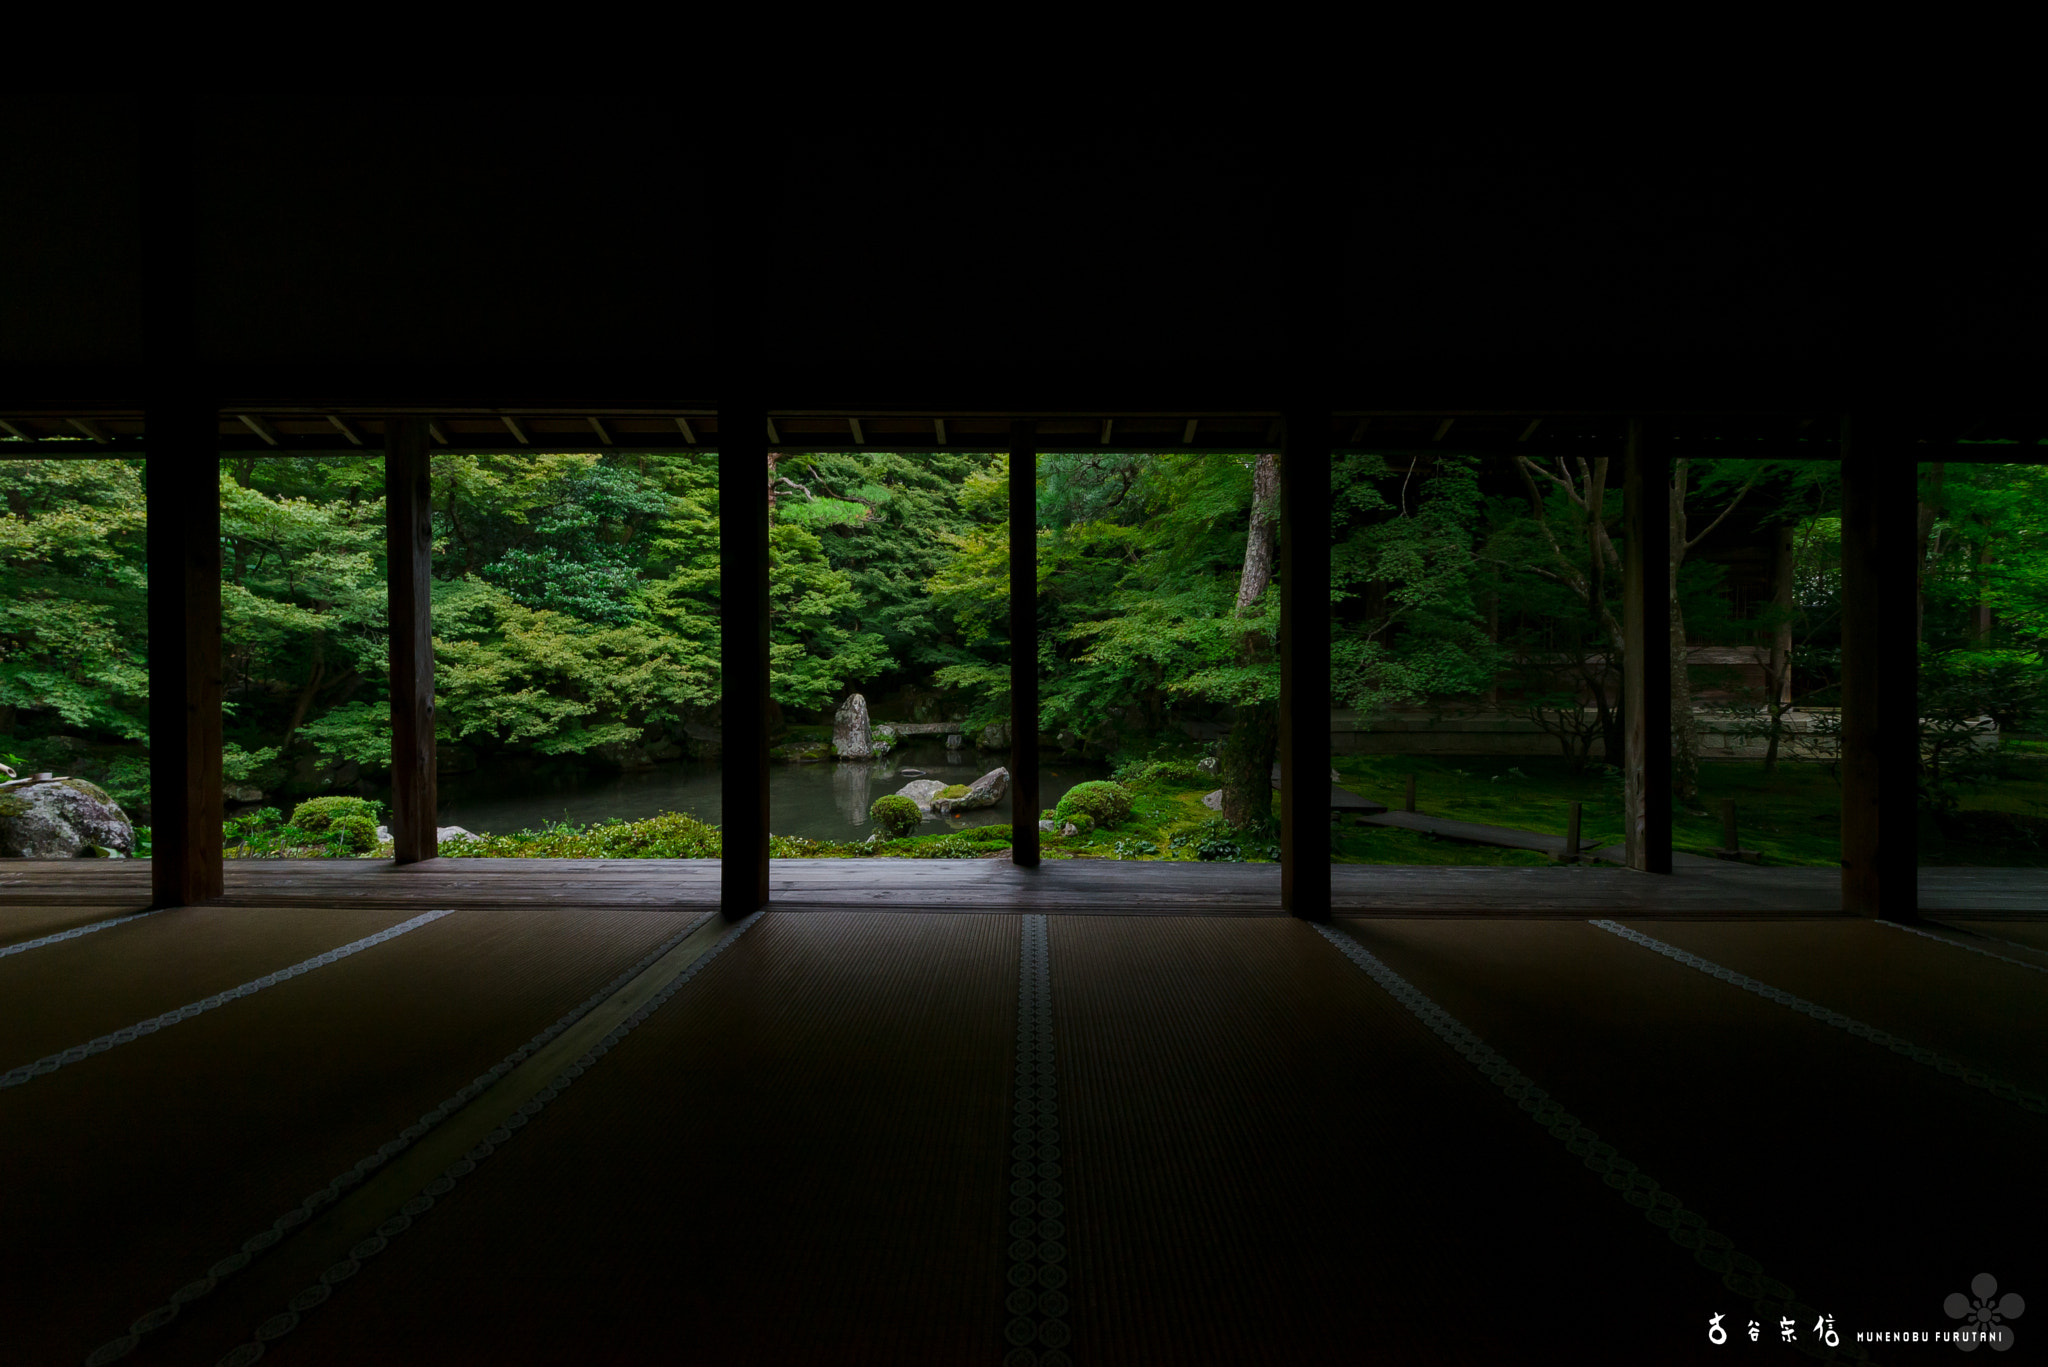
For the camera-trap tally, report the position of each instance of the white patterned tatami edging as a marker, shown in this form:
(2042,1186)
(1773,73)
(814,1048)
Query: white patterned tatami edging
(78,1053)
(1711,1249)
(268,1237)
(1904,1048)
(1037,1303)
(401,1219)
(1958,944)
(77,931)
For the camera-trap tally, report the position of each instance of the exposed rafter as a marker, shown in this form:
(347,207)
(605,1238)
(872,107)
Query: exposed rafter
(858,438)
(434,431)
(598,428)
(1273,433)
(260,427)
(1530,430)
(683,426)
(1442,428)
(774,437)
(939,426)
(91,429)
(346,428)
(512,426)
(1358,432)
(21,432)
(1187,437)
(1107,425)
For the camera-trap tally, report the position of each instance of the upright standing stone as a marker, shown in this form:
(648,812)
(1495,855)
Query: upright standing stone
(852,737)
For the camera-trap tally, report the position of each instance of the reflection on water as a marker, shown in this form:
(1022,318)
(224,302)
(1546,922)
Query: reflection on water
(826,801)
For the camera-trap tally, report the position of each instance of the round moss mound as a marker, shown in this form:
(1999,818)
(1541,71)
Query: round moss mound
(953,790)
(358,833)
(1108,804)
(1081,822)
(894,815)
(318,814)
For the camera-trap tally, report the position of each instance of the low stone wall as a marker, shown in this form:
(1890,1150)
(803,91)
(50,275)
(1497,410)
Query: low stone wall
(1497,733)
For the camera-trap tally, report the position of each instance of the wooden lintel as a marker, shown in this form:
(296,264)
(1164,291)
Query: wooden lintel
(939,426)
(598,427)
(858,438)
(512,426)
(91,429)
(774,437)
(683,426)
(1187,437)
(259,427)
(1108,424)
(346,428)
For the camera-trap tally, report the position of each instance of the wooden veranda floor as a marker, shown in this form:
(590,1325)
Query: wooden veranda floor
(1120,887)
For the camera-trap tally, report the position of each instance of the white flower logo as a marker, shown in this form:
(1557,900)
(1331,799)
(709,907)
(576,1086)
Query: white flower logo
(1983,1314)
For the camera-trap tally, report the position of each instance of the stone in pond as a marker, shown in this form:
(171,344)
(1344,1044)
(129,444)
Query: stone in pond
(922,791)
(852,737)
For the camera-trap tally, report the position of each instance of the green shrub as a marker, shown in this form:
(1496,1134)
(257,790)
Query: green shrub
(894,815)
(1108,803)
(987,835)
(354,832)
(316,814)
(1081,822)
(669,835)
(931,847)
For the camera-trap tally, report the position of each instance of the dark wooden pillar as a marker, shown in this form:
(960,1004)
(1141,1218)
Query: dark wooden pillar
(1304,573)
(183,541)
(409,566)
(1880,673)
(1646,650)
(743,653)
(1024,644)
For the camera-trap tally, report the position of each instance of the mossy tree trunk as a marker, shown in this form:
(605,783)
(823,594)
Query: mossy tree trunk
(1246,762)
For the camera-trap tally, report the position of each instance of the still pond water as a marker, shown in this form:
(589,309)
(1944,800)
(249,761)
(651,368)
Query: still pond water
(825,801)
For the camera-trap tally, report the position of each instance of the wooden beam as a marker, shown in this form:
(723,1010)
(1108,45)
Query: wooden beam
(598,427)
(512,425)
(1304,574)
(409,578)
(683,426)
(1880,672)
(91,429)
(1442,428)
(21,432)
(435,431)
(858,438)
(743,652)
(939,426)
(259,427)
(1108,425)
(1358,432)
(1187,436)
(1646,651)
(774,437)
(346,428)
(1024,783)
(1530,430)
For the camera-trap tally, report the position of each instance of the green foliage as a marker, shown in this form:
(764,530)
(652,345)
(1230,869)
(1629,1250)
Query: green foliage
(668,835)
(953,790)
(1159,775)
(264,834)
(1082,823)
(318,813)
(894,815)
(1107,803)
(1221,842)
(357,833)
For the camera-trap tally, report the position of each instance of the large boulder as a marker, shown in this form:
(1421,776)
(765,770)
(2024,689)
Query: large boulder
(994,736)
(985,791)
(62,819)
(923,791)
(852,737)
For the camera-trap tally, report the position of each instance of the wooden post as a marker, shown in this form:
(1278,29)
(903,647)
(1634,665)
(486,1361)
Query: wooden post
(1408,798)
(1646,651)
(1024,644)
(1304,571)
(409,577)
(1880,674)
(1571,833)
(743,653)
(183,550)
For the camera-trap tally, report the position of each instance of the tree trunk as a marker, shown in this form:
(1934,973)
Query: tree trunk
(1980,616)
(1246,762)
(1685,741)
(1778,669)
(1928,513)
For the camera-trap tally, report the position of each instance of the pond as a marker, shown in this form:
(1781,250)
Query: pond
(825,801)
